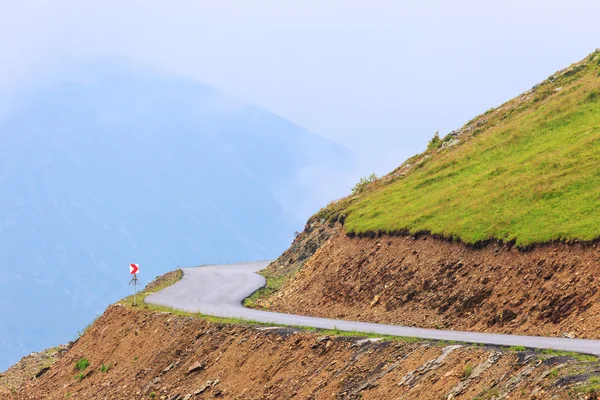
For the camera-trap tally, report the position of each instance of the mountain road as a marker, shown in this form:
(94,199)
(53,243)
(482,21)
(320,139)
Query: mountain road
(220,289)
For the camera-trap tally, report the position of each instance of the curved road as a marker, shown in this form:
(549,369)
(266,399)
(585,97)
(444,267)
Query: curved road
(219,290)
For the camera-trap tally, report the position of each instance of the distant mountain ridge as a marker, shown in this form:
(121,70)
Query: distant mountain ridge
(114,165)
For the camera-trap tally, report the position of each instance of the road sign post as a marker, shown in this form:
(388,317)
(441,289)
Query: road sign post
(133,270)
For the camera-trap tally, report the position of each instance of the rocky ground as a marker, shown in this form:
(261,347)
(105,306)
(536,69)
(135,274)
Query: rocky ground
(549,290)
(31,367)
(139,354)
(316,233)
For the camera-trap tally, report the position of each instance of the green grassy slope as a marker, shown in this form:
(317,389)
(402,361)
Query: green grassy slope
(527,171)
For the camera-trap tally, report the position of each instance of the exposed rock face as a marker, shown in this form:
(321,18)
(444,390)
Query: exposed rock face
(243,362)
(548,290)
(197,366)
(316,234)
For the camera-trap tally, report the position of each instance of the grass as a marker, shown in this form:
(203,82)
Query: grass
(530,175)
(591,386)
(577,356)
(517,348)
(323,332)
(274,283)
(366,335)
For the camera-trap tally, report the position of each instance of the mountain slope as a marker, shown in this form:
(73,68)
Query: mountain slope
(527,171)
(190,358)
(112,165)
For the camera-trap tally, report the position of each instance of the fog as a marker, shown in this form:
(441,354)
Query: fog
(379,77)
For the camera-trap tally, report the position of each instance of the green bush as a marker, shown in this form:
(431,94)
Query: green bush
(362,184)
(435,141)
(82,364)
(467,371)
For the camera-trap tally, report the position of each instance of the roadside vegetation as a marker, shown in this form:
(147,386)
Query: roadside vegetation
(577,356)
(591,386)
(274,283)
(528,172)
(160,283)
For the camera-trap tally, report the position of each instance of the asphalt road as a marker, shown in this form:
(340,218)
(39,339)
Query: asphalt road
(219,290)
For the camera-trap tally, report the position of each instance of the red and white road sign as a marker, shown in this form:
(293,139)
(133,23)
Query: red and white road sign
(134,268)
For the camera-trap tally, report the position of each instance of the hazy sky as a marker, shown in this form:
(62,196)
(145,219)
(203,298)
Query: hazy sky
(377,76)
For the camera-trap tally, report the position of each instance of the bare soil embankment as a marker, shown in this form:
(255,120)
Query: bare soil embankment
(550,290)
(139,354)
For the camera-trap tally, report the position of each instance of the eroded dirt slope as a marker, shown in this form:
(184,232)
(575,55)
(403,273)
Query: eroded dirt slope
(549,290)
(138,354)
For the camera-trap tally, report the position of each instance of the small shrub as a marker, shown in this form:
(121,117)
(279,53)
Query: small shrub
(592,96)
(152,395)
(467,371)
(362,184)
(82,364)
(435,141)
(105,368)
(79,377)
